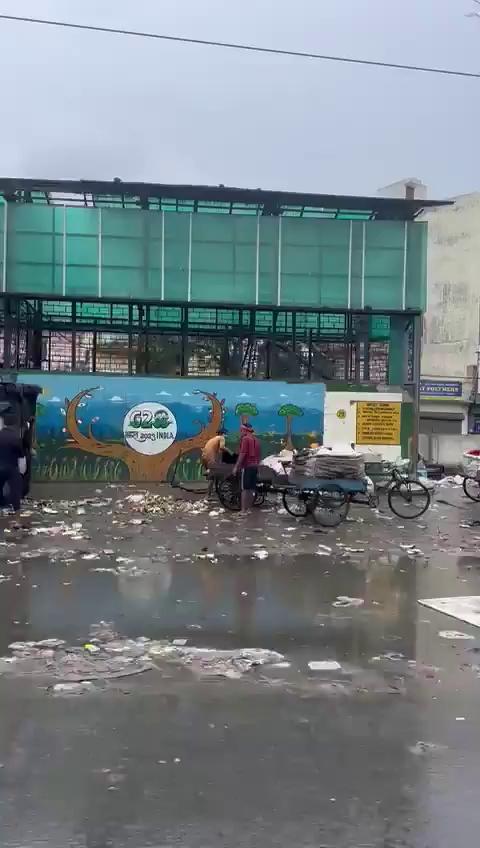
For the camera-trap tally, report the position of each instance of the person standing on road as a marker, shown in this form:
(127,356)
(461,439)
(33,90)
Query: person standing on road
(247,464)
(11,455)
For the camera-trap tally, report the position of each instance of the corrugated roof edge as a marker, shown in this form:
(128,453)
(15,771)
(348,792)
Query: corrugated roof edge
(384,208)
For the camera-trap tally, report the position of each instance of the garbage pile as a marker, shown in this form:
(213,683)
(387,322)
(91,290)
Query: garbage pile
(94,660)
(471,463)
(107,656)
(208,662)
(144,502)
(150,503)
(342,462)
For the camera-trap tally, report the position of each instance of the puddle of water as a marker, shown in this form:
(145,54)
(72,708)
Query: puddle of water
(283,602)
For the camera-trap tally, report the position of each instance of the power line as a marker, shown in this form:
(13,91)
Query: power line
(245,47)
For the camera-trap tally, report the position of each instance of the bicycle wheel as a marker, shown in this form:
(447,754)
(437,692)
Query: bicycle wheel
(228,491)
(299,502)
(332,506)
(471,487)
(408,498)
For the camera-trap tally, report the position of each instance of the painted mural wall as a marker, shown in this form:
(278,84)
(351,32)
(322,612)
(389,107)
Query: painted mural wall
(140,428)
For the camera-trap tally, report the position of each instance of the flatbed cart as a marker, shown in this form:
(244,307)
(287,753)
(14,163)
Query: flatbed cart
(327,500)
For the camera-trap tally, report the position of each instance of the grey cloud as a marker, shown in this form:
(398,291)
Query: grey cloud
(91,105)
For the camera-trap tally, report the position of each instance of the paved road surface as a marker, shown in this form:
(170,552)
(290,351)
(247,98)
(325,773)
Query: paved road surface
(282,757)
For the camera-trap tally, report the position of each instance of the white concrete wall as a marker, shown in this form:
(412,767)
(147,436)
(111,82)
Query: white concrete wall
(344,430)
(399,188)
(451,329)
(447,450)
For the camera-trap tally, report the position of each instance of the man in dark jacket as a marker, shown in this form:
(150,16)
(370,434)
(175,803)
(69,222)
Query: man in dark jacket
(11,451)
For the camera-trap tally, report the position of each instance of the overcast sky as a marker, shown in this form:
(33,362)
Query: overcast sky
(93,105)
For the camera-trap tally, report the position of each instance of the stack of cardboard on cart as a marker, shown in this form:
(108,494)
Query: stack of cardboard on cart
(329,464)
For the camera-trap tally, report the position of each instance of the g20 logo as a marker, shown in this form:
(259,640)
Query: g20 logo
(149,428)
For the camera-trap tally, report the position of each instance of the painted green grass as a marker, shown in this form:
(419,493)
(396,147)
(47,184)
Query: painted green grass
(56,463)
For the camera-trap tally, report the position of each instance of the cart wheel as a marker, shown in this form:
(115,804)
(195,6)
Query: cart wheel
(299,502)
(228,491)
(259,499)
(408,498)
(471,487)
(332,507)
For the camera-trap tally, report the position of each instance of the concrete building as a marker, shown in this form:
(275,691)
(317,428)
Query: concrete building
(451,325)
(410,188)
(451,336)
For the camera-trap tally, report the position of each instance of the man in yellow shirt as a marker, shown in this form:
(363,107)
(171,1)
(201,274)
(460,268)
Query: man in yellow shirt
(212,453)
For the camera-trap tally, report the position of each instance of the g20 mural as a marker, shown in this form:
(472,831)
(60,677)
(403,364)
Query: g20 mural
(138,428)
(150,432)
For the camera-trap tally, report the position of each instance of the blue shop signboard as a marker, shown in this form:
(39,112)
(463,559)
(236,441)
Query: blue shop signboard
(441,388)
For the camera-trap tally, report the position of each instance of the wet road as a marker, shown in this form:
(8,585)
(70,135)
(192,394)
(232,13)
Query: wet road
(281,757)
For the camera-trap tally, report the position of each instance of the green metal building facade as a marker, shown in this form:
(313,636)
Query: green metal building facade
(188,280)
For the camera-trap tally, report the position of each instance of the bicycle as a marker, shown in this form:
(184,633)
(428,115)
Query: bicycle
(407,497)
(471,487)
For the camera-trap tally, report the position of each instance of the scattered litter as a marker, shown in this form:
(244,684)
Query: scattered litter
(214,513)
(136,499)
(80,688)
(324,665)
(346,601)
(25,647)
(449,481)
(460,718)
(92,649)
(50,643)
(393,656)
(210,662)
(281,665)
(454,635)
(354,550)
(103,657)
(422,748)
(260,554)
(179,642)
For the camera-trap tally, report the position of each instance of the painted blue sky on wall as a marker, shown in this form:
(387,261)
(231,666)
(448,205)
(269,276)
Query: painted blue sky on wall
(113,397)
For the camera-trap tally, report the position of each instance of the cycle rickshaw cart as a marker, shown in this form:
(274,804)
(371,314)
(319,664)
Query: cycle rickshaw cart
(328,500)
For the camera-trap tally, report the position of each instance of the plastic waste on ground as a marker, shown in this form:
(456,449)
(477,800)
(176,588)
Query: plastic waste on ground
(324,665)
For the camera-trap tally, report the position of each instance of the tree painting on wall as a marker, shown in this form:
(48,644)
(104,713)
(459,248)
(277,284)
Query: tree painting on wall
(246,411)
(141,467)
(289,411)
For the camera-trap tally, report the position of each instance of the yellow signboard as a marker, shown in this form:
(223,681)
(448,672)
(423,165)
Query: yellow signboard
(378,423)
